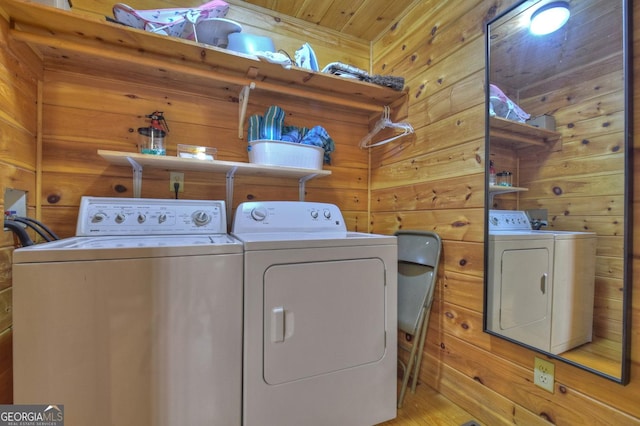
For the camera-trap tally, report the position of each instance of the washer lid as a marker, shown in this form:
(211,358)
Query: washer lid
(127,247)
(519,235)
(140,242)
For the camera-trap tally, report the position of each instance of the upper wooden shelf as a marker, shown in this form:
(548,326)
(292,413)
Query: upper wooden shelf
(87,44)
(519,135)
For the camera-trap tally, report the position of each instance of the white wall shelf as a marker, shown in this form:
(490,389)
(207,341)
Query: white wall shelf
(230,168)
(500,189)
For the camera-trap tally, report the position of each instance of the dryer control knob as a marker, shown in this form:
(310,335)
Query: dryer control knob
(259,214)
(314,214)
(201,218)
(120,218)
(98,217)
(141,218)
(327,214)
(162,218)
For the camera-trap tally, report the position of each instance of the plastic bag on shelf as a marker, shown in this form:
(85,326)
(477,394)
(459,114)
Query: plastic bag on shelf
(175,22)
(500,105)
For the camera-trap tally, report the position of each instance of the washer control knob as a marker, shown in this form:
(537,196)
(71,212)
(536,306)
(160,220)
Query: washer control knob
(162,218)
(327,214)
(201,218)
(314,214)
(259,214)
(98,217)
(120,218)
(141,218)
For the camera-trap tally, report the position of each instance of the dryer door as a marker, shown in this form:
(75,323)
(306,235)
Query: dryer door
(525,296)
(321,317)
(519,288)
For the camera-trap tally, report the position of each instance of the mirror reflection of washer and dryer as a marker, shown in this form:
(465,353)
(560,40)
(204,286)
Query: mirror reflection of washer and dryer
(540,287)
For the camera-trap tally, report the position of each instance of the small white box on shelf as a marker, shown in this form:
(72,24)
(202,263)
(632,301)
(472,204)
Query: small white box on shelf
(197,152)
(60,4)
(543,121)
(288,154)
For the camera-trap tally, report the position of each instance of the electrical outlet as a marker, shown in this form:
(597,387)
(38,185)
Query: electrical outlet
(176,177)
(543,374)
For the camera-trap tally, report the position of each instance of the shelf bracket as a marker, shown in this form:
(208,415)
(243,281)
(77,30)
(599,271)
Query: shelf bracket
(137,177)
(243,101)
(301,185)
(229,200)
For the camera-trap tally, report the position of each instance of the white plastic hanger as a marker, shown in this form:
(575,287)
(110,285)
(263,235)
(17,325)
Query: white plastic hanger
(385,123)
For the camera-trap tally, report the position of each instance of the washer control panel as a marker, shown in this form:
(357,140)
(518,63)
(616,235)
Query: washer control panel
(139,216)
(287,216)
(508,220)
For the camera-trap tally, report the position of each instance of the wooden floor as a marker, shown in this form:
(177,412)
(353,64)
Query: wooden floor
(428,407)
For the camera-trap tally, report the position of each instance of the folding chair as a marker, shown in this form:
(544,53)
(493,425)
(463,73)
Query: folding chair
(418,257)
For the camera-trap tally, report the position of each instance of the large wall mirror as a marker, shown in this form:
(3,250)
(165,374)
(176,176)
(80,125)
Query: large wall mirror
(557,242)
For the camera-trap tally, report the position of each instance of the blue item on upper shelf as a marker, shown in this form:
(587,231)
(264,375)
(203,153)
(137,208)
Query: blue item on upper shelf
(306,58)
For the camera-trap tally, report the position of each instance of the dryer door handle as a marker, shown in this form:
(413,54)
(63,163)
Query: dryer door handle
(543,283)
(277,324)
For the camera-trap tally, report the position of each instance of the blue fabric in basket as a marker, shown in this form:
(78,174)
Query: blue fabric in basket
(255,127)
(318,136)
(294,133)
(272,123)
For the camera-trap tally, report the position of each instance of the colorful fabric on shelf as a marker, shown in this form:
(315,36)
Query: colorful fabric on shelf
(318,136)
(170,21)
(255,128)
(271,127)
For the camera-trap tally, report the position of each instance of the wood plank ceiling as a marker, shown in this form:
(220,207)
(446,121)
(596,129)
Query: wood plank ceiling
(365,19)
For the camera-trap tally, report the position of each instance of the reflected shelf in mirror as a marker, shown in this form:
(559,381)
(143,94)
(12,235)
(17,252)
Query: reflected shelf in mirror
(519,135)
(499,189)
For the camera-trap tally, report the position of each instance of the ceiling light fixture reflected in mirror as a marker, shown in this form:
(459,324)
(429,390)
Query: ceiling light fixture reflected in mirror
(549,18)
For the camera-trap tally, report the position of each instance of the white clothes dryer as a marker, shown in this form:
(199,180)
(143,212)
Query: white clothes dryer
(519,286)
(320,314)
(136,320)
(540,284)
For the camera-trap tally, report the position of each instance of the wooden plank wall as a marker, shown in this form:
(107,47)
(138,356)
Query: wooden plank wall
(18,145)
(435,181)
(83,113)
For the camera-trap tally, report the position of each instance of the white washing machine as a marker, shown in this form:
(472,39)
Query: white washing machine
(320,317)
(136,320)
(540,284)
